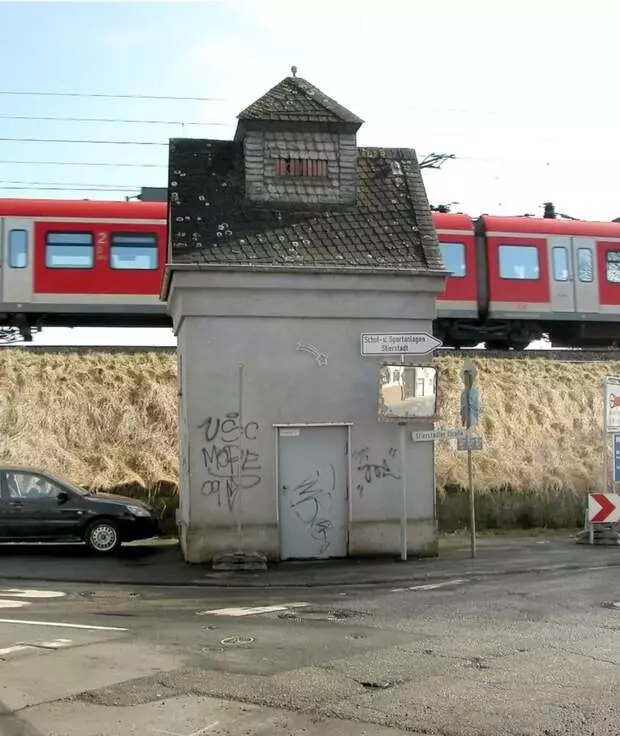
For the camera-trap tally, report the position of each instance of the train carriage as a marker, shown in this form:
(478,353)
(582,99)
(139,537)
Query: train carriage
(81,263)
(511,279)
(548,276)
(457,320)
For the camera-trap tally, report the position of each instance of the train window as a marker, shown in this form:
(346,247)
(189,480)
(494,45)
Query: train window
(69,250)
(519,262)
(135,251)
(613,266)
(585,264)
(560,263)
(453,255)
(18,249)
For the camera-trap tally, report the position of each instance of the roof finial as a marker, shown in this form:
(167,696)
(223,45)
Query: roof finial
(294,70)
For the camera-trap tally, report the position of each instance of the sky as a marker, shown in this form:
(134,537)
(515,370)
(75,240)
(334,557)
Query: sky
(522,93)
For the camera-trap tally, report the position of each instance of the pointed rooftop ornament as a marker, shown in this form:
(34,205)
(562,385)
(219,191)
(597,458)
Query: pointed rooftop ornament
(294,70)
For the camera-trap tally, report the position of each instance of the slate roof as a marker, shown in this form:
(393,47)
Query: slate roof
(295,99)
(211,222)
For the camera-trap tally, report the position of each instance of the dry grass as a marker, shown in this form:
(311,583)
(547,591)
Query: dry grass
(106,420)
(103,420)
(541,424)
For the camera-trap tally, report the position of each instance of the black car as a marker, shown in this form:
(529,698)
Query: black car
(36,506)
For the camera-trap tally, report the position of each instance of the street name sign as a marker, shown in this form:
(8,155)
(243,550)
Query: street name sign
(398,343)
(430,435)
(603,508)
(469,443)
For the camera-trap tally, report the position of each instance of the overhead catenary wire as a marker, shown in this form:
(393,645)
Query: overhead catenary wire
(113,164)
(66,189)
(123,121)
(14,182)
(174,98)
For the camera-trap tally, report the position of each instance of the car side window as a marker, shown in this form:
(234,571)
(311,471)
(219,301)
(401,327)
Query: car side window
(31,486)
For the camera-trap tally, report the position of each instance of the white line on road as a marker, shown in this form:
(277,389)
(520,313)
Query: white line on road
(55,644)
(250,611)
(26,593)
(199,732)
(60,625)
(430,586)
(6,603)
(16,648)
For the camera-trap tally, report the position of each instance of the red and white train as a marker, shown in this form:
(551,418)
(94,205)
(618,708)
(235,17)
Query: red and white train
(513,279)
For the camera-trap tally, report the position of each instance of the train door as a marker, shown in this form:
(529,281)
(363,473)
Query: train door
(17,260)
(562,289)
(586,277)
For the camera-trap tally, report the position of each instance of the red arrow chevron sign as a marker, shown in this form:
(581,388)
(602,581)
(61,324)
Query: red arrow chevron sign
(604,508)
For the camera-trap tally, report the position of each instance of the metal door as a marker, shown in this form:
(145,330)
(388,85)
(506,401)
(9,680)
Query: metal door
(561,273)
(313,470)
(586,275)
(17,260)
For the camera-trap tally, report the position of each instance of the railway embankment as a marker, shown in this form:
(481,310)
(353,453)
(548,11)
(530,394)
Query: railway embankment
(108,420)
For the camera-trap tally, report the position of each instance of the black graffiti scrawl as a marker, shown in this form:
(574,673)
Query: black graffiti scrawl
(231,460)
(312,502)
(374,471)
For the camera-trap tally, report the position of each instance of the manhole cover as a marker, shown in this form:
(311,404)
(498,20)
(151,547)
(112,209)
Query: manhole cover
(233,641)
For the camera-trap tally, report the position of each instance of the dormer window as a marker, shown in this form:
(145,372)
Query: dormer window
(306,167)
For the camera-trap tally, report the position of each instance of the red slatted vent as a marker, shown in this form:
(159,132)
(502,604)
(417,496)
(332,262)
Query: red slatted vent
(301,167)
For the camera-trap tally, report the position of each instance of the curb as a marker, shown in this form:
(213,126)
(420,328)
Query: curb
(233,583)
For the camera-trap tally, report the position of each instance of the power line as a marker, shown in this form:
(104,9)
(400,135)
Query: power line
(69,184)
(33,93)
(84,141)
(84,163)
(65,189)
(51,118)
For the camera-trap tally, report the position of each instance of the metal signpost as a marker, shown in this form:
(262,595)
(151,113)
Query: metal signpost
(616,458)
(604,508)
(470,410)
(390,344)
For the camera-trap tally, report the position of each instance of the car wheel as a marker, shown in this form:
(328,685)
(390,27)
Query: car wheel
(103,536)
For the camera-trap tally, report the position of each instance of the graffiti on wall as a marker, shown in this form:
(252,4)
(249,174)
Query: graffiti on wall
(372,470)
(312,501)
(230,457)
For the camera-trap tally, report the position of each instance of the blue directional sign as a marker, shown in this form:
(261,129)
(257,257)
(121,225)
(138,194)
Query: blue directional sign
(470,406)
(616,458)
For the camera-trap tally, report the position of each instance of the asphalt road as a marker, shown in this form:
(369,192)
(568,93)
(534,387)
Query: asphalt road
(509,655)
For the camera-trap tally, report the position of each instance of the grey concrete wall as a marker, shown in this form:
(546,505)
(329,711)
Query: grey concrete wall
(259,320)
(263,148)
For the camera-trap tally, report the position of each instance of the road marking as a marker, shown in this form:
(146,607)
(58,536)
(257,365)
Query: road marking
(22,646)
(199,732)
(5,603)
(60,625)
(250,611)
(54,644)
(26,593)
(16,648)
(430,586)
